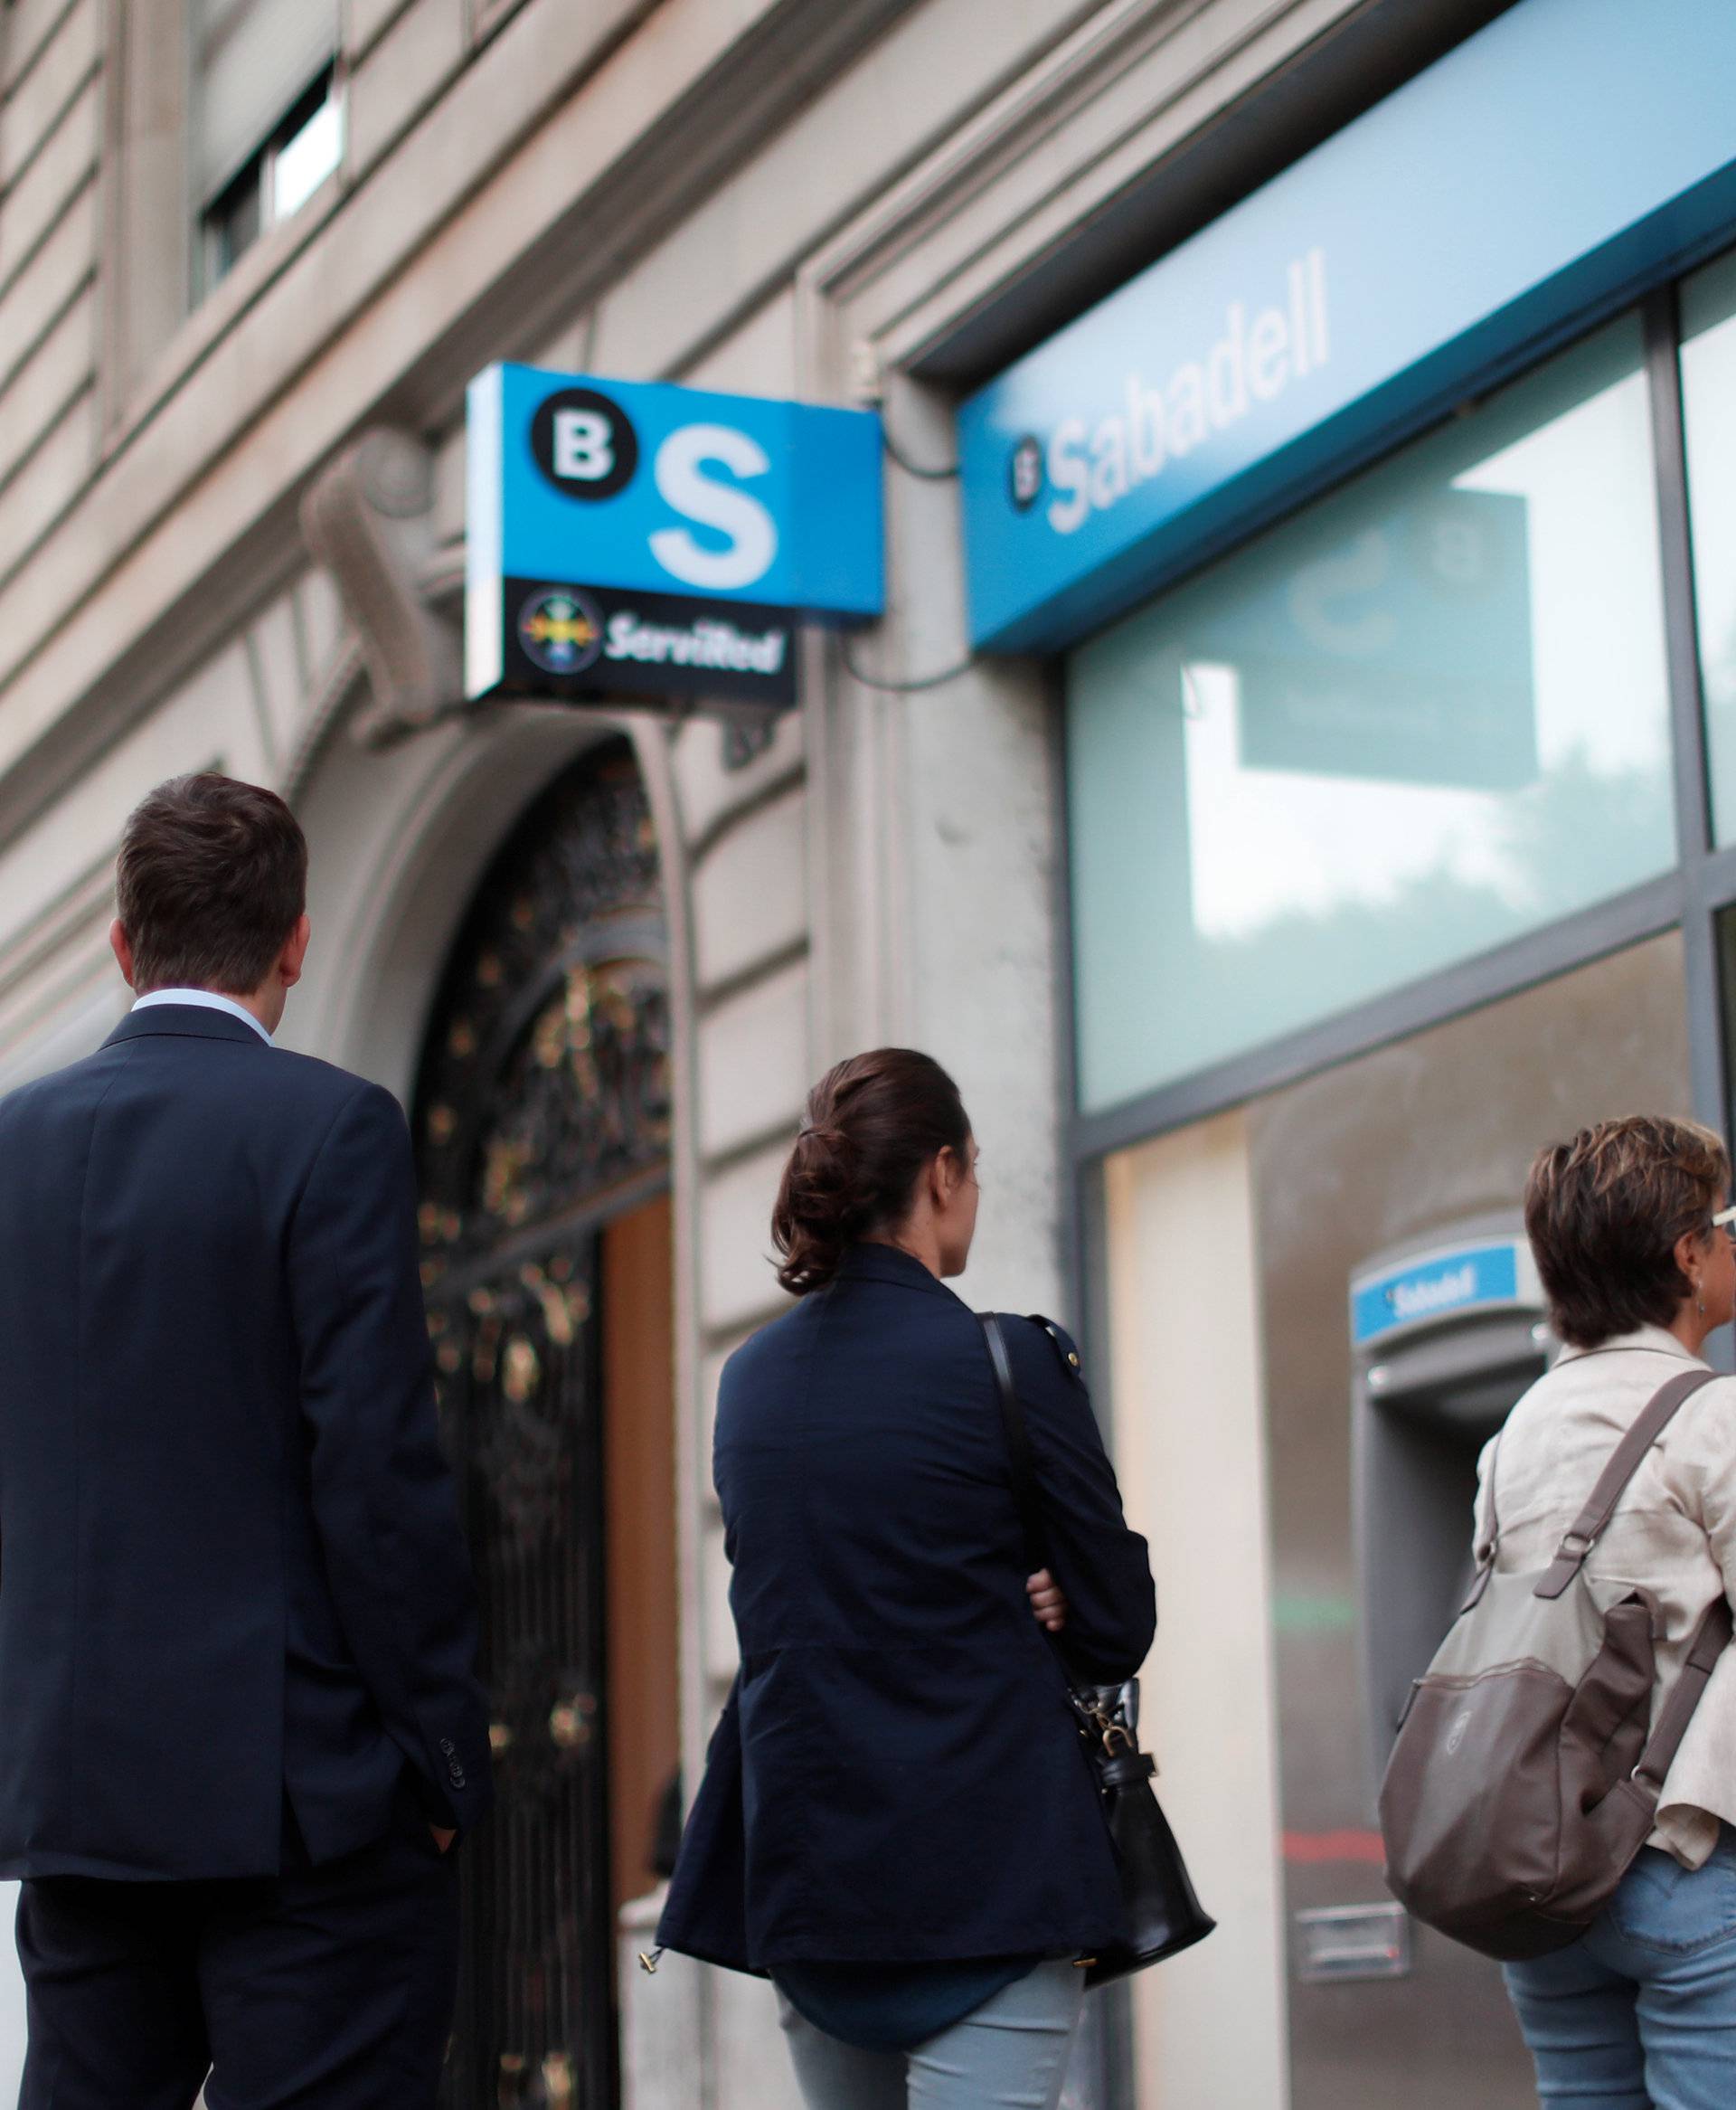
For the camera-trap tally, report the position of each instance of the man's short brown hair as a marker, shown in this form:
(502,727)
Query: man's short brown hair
(211,882)
(1603,1213)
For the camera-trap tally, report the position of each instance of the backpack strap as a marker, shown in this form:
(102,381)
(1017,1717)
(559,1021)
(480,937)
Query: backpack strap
(1710,1638)
(1588,1527)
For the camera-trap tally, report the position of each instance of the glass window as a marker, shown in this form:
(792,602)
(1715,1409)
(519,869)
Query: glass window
(268,119)
(1709,415)
(1424,716)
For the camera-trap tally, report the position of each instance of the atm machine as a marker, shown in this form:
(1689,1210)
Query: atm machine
(1446,1331)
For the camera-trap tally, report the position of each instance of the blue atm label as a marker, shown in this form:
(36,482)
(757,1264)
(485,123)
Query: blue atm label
(1497,1275)
(643,537)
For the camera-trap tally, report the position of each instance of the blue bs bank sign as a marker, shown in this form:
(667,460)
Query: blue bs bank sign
(1563,156)
(637,538)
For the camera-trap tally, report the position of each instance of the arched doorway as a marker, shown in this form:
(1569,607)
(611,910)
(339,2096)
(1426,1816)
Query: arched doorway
(541,1119)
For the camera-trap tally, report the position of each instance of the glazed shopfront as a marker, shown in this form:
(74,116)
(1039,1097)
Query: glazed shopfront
(1386,533)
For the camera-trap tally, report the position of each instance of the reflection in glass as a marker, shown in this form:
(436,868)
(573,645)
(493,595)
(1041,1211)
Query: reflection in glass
(1709,413)
(1422,717)
(306,158)
(1387,1149)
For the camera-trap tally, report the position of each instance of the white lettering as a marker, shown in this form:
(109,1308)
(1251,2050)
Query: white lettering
(1145,430)
(1186,410)
(1091,468)
(1317,297)
(1226,383)
(1435,1293)
(1109,464)
(705,643)
(1269,358)
(584,446)
(1069,472)
(733,512)
(1299,332)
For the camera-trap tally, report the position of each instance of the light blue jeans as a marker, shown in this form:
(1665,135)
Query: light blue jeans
(1641,2014)
(1009,2055)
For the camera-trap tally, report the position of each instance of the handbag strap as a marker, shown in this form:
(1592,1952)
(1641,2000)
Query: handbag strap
(1588,1527)
(1018,1441)
(1024,1486)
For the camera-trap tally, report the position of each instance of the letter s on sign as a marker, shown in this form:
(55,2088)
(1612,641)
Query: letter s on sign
(1069,471)
(753,532)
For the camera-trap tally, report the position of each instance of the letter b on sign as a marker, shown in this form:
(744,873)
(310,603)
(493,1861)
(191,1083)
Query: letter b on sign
(584,443)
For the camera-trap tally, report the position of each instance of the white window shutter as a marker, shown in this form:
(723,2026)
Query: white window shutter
(252,59)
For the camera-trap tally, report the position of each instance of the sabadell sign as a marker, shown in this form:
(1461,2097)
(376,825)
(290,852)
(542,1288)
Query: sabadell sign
(1464,222)
(639,538)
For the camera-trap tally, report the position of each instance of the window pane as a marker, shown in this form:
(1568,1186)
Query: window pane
(305,161)
(233,225)
(253,60)
(1709,410)
(1422,717)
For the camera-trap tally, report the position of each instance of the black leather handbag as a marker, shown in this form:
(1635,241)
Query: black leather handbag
(1163,1914)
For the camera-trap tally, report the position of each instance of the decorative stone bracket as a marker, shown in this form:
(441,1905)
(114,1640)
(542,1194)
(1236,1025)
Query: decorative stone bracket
(368,519)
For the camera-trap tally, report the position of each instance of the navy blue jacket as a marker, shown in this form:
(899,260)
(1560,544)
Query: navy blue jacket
(230,1555)
(897,1777)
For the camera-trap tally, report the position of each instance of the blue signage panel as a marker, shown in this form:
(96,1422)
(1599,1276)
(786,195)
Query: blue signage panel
(1494,1275)
(641,536)
(1566,153)
(1403,655)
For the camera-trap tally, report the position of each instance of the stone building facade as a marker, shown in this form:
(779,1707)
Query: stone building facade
(231,523)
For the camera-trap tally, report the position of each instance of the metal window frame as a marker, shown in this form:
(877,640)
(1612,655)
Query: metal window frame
(1689,896)
(256,175)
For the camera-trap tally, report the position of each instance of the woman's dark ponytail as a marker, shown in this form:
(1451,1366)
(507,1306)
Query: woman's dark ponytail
(872,1123)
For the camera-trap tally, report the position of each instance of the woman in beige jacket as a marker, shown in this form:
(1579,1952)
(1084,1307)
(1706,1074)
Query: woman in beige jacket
(1632,1234)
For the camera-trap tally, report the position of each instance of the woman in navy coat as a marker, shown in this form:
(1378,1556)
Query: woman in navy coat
(897,1821)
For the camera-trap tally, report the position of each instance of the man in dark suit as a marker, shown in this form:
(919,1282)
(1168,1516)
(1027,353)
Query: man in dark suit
(240,1724)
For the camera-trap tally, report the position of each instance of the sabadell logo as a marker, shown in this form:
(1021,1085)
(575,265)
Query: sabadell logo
(1091,469)
(1415,1299)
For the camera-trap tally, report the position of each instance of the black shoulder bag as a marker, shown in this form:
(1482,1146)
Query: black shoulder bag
(1162,1915)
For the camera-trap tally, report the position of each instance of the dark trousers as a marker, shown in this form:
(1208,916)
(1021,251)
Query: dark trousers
(328,1986)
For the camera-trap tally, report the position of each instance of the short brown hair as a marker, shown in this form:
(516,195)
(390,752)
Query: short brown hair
(1603,1213)
(210,881)
(874,1122)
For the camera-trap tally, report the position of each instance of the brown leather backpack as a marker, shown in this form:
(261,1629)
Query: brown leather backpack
(1524,1781)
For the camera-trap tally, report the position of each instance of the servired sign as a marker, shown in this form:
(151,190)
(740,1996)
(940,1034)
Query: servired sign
(645,539)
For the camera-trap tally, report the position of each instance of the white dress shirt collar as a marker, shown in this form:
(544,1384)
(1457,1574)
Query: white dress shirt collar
(208,1000)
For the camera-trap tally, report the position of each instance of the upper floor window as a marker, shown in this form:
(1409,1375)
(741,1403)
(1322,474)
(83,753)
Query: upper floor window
(267,121)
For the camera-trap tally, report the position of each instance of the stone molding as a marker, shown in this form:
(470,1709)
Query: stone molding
(368,520)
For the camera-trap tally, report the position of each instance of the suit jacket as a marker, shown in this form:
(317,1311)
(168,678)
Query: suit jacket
(230,1564)
(897,1777)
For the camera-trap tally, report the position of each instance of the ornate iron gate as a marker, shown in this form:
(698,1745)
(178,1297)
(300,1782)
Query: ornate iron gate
(543,1110)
